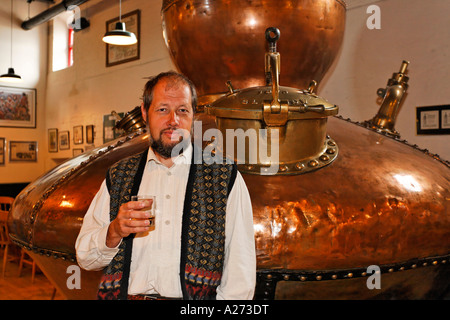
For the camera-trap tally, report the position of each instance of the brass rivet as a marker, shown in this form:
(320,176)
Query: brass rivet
(350,275)
(324,158)
(425,264)
(364,274)
(401,268)
(313,163)
(269,276)
(391,270)
(330,151)
(299,166)
(319,278)
(414,266)
(302,278)
(283,168)
(286,277)
(334,277)
(435,262)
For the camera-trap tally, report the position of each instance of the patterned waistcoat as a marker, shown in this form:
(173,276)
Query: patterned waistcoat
(203,227)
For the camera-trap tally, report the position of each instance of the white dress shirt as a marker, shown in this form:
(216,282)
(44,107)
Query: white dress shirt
(155,260)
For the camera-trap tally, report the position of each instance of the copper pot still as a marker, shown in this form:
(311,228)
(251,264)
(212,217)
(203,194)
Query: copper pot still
(229,33)
(359,197)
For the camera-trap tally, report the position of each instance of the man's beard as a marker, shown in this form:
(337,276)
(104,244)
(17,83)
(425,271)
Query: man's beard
(170,150)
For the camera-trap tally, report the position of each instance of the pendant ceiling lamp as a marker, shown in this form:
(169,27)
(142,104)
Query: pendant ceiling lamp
(11,76)
(120,36)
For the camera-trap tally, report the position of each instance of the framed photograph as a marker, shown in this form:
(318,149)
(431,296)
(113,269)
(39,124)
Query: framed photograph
(53,140)
(64,140)
(120,54)
(17,107)
(445,118)
(110,132)
(77,151)
(78,135)
(433,119)
(23,151)
(90,134)
(2,151)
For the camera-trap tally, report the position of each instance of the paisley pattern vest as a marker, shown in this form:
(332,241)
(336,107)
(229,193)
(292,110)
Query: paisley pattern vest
(203,227)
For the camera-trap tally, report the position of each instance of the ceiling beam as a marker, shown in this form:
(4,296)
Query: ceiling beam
(50,13)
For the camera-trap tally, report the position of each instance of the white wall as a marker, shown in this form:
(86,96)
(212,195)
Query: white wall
(30,62)
(414,30)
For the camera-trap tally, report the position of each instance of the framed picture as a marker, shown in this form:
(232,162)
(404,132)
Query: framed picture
(90,134)
(17,107)
(110,132)
(445,118)
(77,151)
(120,54)
(433,119)
(78,135)
(23,151)
(2,150)
(64,140)
(53,140)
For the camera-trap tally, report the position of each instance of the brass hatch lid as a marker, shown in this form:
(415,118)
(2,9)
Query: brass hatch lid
(254,104)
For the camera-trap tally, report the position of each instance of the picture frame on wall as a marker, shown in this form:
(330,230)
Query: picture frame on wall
(2,151)
(90,133)
(110,132)
(17,107)
(23,151)
(121,54)
(78,135)
(77,151)
(53,140)
(433,120)
(64,140)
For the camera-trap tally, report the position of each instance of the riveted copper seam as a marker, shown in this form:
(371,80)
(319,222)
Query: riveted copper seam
(267,279)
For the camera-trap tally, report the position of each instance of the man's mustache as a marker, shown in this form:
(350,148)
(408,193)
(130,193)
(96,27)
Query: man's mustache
(178,130)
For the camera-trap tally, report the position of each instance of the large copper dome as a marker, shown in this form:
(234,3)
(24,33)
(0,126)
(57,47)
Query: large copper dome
(213,41)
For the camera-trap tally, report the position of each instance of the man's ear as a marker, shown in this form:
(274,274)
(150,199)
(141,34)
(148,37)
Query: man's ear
(144,113)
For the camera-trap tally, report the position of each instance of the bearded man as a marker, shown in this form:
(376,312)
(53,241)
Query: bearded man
(202,244)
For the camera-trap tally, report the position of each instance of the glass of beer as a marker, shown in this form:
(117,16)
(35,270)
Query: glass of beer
(151,209)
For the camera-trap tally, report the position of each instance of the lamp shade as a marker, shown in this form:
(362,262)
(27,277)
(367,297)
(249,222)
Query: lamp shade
(120,36)
(10,76)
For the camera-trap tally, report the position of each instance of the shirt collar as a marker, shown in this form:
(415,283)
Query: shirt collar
(184,158)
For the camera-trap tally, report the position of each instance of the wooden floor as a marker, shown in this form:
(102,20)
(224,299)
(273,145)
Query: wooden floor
(13,287)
